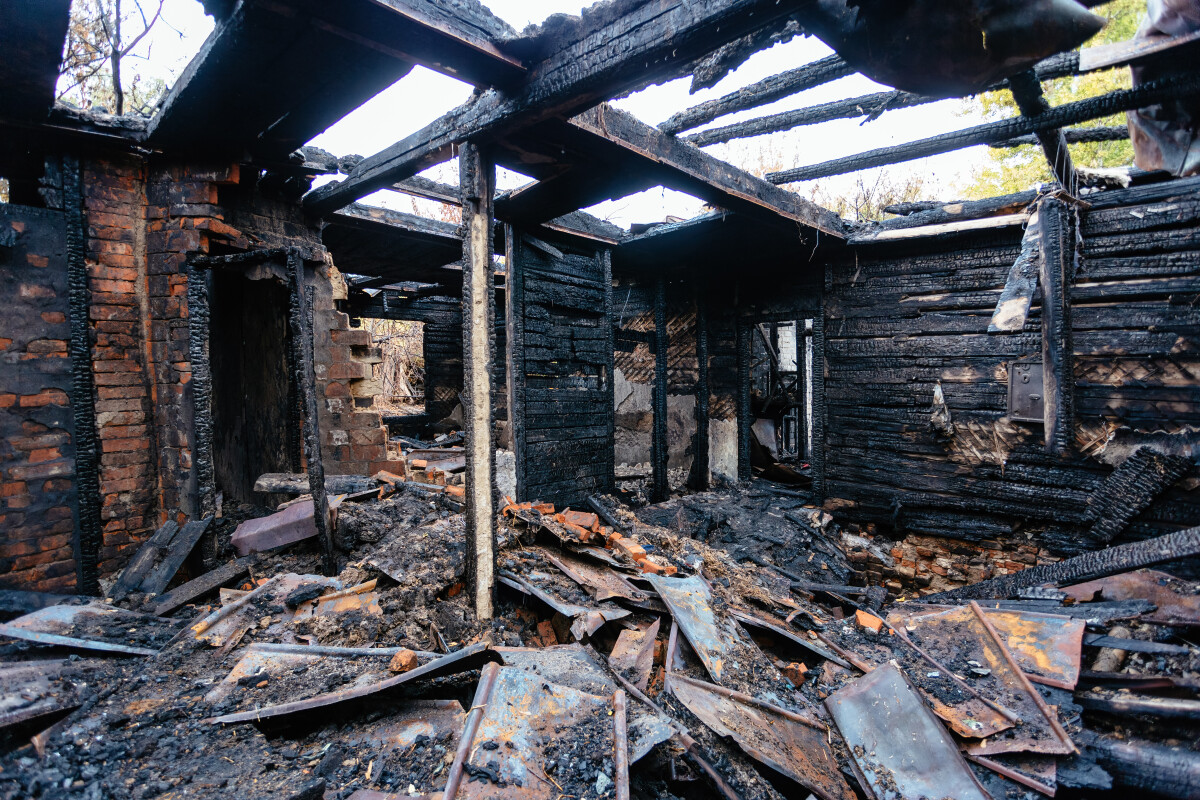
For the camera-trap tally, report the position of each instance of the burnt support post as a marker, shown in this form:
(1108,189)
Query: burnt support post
(514,340)
(300,321)
(1058,352)
(610,420)
(802,386)
(477,180)
(1027,92)
(698,480)
(818,393)
(660,485)
(88,536)
(743,345)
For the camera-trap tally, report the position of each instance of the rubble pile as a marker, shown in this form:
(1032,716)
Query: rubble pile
(711,646)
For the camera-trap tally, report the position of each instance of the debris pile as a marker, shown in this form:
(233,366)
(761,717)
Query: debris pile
(662,653)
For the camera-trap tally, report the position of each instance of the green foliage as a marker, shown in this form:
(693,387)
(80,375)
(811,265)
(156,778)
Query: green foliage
(1015,169)
(102,35)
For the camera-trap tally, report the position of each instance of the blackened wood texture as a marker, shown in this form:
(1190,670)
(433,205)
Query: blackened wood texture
(1068,114)
(744,414)
(1055,262)
(561,360)
(607,57)
(698,480)
(659,484)
(903,318)
(477,181)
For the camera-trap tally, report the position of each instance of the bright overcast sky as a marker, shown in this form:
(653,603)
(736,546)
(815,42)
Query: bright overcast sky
(423,96)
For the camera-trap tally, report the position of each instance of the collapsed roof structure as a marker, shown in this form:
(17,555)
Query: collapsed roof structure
(987,408)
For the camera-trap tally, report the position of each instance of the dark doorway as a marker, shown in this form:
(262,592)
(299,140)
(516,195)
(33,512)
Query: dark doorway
(252,400)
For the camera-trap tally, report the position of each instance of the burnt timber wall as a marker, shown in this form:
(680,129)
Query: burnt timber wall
(900,319)
(442,348)
(561,359)
(37,447)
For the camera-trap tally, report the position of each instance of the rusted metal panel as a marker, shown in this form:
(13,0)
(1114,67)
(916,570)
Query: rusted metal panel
(633,654)
(506,752)
(604,583)
(899,746)
(813,645)
(63,625)
(586,621)
(689,602)
(771,735)
(468,658)
(1175,606)
(965,643)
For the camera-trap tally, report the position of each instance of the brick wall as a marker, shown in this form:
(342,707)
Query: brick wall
(37,466)
(920,565)
(114,206)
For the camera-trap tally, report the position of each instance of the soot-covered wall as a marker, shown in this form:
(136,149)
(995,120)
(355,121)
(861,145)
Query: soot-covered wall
(902,320)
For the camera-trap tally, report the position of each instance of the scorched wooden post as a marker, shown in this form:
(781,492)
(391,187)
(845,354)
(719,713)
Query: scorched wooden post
(478,180)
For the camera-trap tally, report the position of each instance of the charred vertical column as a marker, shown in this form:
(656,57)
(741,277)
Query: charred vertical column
(1058,352)
(610,477)
(477,180)
(83,393)
(698,480)
(802,386)
(660,487)
(201,368)
(514,303)
(818,392)
(300,320)
(743,343)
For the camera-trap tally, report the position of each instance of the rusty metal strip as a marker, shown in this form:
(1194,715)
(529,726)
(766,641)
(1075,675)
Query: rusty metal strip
(859,664)
(468,658)
(688,601)
(753,620)
(621,746)
(898,745)
(692,748)
(52,625)
(742,697)
(1048,712)
(483,696)
(1014,775)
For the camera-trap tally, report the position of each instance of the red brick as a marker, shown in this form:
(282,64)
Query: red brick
(109,313)
(48,469)
(334,389)
(120,392)
(368,436)
(349,371)
(118,379)
(125,445)
(123,365)
(354,336)
(368,452)
(8,400)
(13,488)
(44,454)
(37,261)
(46,397)
(53,317)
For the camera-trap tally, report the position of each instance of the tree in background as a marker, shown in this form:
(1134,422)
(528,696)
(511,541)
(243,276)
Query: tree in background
(1016,169)
(102,36)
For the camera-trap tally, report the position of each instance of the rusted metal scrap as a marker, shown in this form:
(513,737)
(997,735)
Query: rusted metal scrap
(1168,593)
(585,621)
(901,750)
(787,742)
(514,731)
(633,654)
(691,606)
(964,635)
(468,658)
(94,626)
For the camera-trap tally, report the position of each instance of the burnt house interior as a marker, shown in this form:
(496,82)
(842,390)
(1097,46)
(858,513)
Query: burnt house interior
(759,503)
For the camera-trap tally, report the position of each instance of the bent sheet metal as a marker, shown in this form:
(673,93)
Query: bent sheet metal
(94,626)
(900,748)
(775,737)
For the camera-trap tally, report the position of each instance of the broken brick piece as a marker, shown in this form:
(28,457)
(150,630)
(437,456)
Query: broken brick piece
(654,568)
(403,661)
(629,548)
(582,519)
(544,508)
(794,672)
(389,478)
(867,620)
(456,491)
(583,534)
(545,636)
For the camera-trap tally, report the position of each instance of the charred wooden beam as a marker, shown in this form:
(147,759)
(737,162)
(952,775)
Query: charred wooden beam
(1055,269)
(1027,92)
(31,38)
(301,324)
(660,485)
(819,409)
(610,350)
(1156,768)
(1074,113)
(605,59)
(88,535)
(622,154)
(477,180)
(1087,567)
(514,343)
(1103,133)
(765,91)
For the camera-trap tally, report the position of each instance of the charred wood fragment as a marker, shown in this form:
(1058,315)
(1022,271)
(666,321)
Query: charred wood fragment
(1056,267)
(660,489)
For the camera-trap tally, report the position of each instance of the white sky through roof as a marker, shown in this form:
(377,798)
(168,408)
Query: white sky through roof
(423,96)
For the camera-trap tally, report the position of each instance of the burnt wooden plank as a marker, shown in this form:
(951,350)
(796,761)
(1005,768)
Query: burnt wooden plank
(1054,267)
(607,57)
(176,553)
(198,587)
(144,561)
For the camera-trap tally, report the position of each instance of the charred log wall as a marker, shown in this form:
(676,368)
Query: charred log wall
(442,346)
(902,319)
(562,365)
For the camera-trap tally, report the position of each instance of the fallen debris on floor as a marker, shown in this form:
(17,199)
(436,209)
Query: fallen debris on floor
(710,673)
